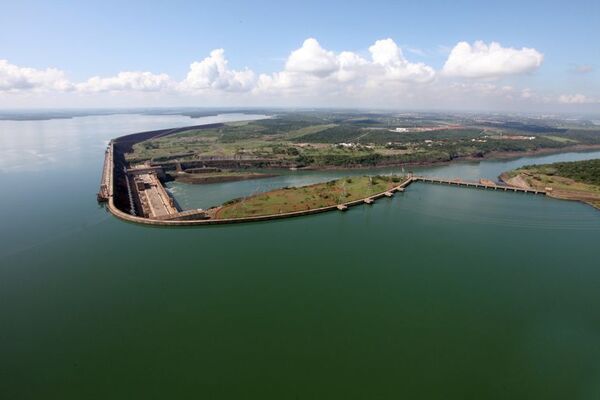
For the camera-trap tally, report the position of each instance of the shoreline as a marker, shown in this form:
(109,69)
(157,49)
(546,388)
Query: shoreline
(504,178)
(207,180)
(492,156)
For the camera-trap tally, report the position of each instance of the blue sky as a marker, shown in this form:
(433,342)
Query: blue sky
(102,39)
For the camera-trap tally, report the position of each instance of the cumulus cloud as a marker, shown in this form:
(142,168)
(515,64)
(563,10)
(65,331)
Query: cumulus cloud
(128,81)
(15,78)
(314,68)
(481,60)
(311,58)
(311,69)
(351,66)
(315,75)
(574,99)
(213,73)
(387,54)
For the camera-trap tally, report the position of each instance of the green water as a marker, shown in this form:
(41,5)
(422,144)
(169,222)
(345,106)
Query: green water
(437,293)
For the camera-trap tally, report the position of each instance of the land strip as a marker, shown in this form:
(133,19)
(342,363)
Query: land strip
(334,193)
(578,180)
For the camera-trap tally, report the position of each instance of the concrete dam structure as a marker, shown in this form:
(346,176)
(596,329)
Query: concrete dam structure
(137,194)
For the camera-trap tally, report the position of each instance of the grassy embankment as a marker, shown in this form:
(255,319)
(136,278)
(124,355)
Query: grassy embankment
(307,197)
(577,180)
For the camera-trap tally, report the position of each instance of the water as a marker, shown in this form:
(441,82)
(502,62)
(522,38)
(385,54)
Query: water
(436,293)
(203,196)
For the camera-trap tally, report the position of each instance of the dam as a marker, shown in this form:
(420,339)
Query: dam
(106,187)
(482,184)
(137,194)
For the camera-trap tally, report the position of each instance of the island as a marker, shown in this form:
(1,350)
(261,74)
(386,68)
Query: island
(575,180)
(137,166)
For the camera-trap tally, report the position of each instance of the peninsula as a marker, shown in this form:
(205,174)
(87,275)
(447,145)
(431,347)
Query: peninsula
(576,180)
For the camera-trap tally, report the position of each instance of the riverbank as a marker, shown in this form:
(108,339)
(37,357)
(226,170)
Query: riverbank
(492,156)
(509,155)
(576,181)
(200,179)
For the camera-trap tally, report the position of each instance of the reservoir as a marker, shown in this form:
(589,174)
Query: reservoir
(436,293)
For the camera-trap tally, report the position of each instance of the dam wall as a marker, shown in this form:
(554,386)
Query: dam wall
(116,186)
(189,222)
(120,180)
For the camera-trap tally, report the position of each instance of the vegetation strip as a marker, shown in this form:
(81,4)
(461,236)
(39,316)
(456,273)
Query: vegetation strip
(305,198)
(338,139)
(148,221)
(577,180)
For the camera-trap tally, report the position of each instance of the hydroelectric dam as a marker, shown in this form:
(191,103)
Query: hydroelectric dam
(137,194)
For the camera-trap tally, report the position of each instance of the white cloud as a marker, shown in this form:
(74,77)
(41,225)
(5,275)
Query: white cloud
(311,58)
(574,99)
(490,61)
(311,69)
(15,78)
(213,73)
(128,81)
(388,55)
(351,66)
(313,75)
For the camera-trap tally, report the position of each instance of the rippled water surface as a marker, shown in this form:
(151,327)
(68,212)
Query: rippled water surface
(437,293)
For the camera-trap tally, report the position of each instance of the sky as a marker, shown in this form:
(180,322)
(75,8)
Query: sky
(530,56)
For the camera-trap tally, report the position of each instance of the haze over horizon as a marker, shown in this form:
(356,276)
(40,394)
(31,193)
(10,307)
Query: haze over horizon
(468,56)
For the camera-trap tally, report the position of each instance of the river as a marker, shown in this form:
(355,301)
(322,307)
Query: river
(437,293)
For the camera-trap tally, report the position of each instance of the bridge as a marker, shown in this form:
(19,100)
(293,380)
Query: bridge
(482,184)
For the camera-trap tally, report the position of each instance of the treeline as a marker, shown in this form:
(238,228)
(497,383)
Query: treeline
(350,133)
(584,136)
(336,134)
(340,160)
(582,171)
(525,127)
(373,159)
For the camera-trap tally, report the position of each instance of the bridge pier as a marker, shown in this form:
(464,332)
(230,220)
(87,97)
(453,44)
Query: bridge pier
(479,185)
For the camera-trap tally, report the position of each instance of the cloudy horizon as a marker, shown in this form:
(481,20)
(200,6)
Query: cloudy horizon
(469,73)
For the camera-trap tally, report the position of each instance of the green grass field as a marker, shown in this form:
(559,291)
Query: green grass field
(307,197)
